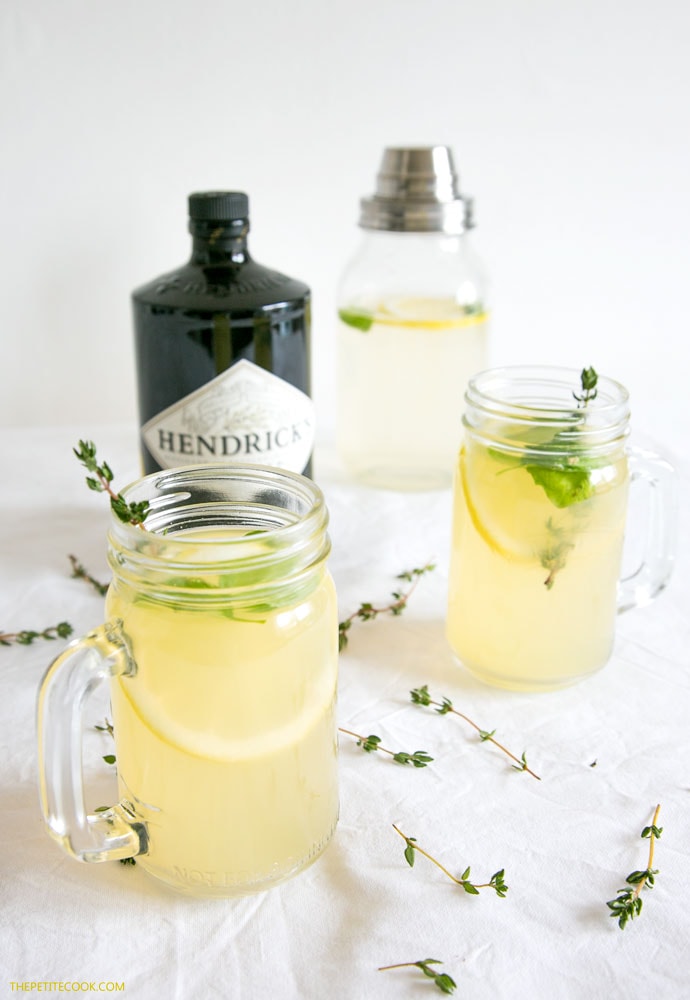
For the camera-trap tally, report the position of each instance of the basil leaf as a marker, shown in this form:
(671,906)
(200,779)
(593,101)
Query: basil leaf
(361,321)
(563,486)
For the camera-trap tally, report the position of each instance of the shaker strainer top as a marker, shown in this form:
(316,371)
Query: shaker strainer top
(417,191)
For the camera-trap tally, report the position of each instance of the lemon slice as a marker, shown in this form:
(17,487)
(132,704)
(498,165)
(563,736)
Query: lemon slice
(500,506)
(431,313)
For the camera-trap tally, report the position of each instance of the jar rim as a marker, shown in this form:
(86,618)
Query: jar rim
(227,528)
(546,396)
(168,490)
(484,388)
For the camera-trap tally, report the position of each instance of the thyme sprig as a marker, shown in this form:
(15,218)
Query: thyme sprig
(79,573)
(445,983)
(628,903)
(110,759)
(367,611)
(421,696)
(100,480)
(496,882)
(555,556)
(369,744)
(588,381)
(24,638)
(565,484)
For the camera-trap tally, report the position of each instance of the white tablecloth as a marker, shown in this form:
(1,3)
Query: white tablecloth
(607,751)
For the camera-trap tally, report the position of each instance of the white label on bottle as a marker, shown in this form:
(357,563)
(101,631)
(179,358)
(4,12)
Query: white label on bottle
(246,414)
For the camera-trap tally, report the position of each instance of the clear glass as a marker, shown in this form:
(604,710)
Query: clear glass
(221,654)
(539,518)
(412,329)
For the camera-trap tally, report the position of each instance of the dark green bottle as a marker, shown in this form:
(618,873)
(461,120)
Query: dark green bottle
(223,352)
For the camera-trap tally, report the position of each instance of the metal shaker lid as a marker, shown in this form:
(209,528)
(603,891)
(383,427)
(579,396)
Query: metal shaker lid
(417,191)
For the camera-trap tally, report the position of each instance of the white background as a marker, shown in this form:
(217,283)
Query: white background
(570,126)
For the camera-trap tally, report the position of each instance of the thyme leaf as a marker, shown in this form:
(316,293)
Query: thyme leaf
(367,611)
(628,903)
(24,638)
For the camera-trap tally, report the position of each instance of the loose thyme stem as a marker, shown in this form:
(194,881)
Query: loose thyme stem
(412,843)
(445,983)
(79,572)
(421,696)
(408,965)
(652,838)
(420,758)
(367,611)
(496,882)
(628,903)
(24,638)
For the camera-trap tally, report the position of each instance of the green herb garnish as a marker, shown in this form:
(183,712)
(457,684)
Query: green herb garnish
(359,320)
(441,979)
(366,611)
(561,467)
(553,557)
(421,696)
(566,480)
(628,903)
(496,882)
(420,758)
(24,638)
(79,572)
(588,380)
(100,480)
(564,485)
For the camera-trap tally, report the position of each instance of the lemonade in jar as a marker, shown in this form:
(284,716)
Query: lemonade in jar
(412,325)
(221,653)
(539,518)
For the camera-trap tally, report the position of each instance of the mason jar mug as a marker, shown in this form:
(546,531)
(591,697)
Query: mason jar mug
(539,516)
(220,650)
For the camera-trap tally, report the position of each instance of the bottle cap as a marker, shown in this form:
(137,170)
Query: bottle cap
(218,206)
(417,191)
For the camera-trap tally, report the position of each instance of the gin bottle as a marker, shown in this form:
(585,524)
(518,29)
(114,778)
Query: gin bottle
(223,352)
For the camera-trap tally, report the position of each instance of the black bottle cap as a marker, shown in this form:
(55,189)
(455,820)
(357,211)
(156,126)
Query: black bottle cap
(218,206)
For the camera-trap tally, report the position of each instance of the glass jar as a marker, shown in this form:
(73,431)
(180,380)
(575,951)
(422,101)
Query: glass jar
(221,652)
(412,325)
(540,504)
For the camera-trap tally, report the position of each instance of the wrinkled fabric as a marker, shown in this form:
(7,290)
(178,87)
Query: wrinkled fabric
(607,751)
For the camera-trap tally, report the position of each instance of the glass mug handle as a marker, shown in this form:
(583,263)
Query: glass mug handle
(653,573)
(64,692)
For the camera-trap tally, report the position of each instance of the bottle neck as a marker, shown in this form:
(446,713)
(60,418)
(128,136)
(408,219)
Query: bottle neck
(217,242)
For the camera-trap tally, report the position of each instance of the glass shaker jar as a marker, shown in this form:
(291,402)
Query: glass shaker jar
(412,325)
(221,654)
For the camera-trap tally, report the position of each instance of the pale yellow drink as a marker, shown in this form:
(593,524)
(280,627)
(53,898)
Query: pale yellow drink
(533,579)
(226,736)
(401,367)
